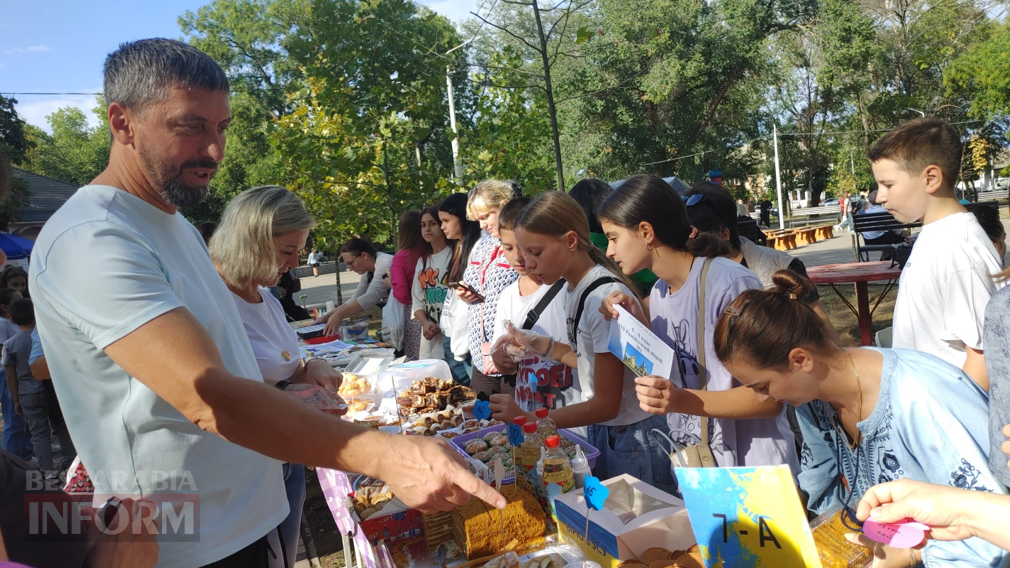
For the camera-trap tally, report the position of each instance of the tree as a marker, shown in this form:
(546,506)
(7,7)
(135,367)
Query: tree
(14,149)
(980,74)
(74,152)
(513,19)
(249,39)
(370,126)
(671,86)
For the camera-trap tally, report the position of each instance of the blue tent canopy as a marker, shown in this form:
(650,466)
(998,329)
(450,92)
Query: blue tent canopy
(15,247)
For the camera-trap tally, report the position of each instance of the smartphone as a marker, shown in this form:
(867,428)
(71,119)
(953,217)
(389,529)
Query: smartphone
(463,286)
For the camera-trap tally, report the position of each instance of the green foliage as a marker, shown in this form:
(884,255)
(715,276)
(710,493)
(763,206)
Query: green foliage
(15,146)
(350,147)
(74,152)
(983,70)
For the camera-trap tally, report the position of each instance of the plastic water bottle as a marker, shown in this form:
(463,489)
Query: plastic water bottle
(580,467)
(545,426)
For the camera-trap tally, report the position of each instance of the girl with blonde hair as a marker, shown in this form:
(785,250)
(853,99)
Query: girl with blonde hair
(485,277)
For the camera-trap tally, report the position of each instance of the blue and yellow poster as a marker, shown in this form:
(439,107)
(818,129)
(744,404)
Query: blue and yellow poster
(748,517)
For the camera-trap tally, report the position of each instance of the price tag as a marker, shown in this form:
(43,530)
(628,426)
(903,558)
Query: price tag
(515,434)
(595,493)
(898,535)
(482,410)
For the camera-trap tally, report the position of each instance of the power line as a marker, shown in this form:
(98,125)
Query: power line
(50,94)
(766,137)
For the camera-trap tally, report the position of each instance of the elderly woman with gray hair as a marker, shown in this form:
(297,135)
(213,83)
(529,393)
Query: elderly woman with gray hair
(258,240)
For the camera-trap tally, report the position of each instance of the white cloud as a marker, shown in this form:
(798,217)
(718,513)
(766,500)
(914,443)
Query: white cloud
(35,109)
(30,49)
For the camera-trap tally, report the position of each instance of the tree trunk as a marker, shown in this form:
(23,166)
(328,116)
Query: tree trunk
(550,97)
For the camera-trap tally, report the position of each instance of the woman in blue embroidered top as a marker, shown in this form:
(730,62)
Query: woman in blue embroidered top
(867,415)
(487,274)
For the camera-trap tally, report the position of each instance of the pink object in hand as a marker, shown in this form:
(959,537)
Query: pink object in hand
(905,534)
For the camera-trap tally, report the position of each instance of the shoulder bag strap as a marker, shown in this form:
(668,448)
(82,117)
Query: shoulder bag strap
(533,315)
(702,368)
(585,294)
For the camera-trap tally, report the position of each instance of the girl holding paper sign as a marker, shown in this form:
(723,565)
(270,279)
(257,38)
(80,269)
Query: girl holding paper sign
(867,415)
(647,226)
(553,234)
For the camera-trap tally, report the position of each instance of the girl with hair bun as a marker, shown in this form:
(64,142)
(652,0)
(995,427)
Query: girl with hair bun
(867,415)
(553,234)
(646,223)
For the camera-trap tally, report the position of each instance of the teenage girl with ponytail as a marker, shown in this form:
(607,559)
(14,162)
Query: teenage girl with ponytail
(867,415)
(646,223)
(553,234)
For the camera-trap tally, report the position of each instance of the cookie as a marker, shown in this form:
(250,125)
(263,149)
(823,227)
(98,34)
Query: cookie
(690,560)
(656,553)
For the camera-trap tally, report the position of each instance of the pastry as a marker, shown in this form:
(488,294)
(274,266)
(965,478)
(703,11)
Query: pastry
(690,560)
(653,554)
(477,528)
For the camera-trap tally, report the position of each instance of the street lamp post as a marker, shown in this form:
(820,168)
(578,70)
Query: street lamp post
(457,167)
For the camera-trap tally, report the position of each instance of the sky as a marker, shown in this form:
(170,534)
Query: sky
(58,46)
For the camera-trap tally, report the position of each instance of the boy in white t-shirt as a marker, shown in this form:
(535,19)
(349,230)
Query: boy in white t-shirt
(540,382)
(947,280)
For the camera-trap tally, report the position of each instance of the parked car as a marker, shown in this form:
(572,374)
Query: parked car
(830,202)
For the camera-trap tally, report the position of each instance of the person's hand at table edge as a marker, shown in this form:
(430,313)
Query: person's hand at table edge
(427,475)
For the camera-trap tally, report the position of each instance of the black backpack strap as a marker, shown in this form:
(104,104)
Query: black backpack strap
(582,301)
(533,315)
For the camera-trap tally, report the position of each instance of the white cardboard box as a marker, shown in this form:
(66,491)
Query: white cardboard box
(635,517)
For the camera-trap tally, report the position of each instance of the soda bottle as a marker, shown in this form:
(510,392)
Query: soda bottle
(545,426)
(526,461)
(557,467)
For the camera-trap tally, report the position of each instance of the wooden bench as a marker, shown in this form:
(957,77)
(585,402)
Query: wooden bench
(825,232)
(874,222)
(782,239)
(806,235)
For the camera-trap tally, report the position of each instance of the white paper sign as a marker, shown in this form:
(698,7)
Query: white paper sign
(640,349)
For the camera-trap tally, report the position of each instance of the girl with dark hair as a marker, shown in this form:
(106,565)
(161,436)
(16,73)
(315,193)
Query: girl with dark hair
(373,288)
(410,247)
(553,234)
(715,213)
(647,225)
(429,288)
(16,278)
(590,193)
(465,233)
(867,415)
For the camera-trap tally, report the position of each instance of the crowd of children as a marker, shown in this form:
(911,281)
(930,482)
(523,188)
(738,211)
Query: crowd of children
(751,337)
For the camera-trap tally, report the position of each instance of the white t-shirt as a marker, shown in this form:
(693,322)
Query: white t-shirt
(429,291)
(944,289)
(273,341)
(764,441)
(540,382)
(373,293)
(592,337)
(104,265)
